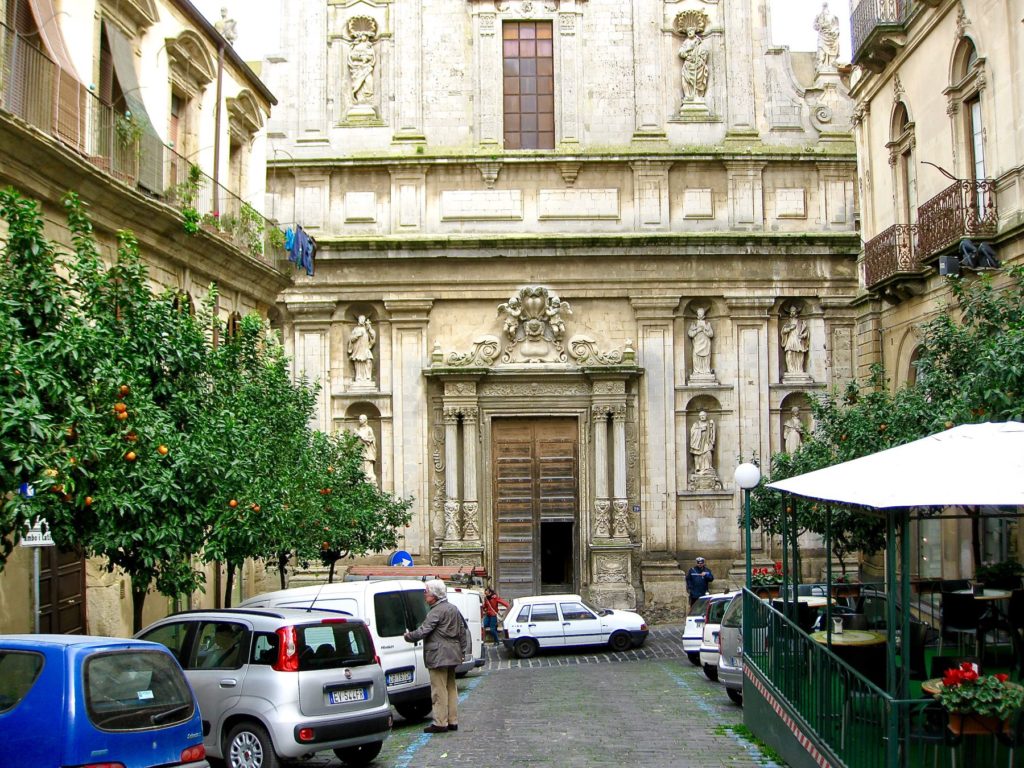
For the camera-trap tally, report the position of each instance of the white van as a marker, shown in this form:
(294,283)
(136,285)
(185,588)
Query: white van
(470,603)
(389,607)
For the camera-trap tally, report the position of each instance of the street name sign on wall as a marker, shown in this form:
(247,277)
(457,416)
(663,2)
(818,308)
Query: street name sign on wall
(36,536)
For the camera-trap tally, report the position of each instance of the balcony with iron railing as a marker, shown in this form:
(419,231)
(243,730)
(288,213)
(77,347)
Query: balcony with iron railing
(891,257)
(964,209)
(879,31)
(36,90)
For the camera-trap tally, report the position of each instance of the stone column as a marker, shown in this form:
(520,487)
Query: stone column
(311,67)
(741,50)
(602,506)
(470,506)
(408,355)
(408,120)
(451,474)
(620,513)
(568,91)
(488,91)
(647,71)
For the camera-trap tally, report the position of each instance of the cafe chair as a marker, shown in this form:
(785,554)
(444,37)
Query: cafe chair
(929,728)
(918,638)
(1015,738)
(961,615)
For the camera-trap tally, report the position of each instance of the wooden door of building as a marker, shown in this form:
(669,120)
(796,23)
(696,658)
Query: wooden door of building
(61,592)
(535,471)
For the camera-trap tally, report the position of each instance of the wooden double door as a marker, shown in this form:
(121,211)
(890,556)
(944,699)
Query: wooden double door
(61,592)
(535,485)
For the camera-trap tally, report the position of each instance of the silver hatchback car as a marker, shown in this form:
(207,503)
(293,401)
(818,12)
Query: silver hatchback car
(280,684)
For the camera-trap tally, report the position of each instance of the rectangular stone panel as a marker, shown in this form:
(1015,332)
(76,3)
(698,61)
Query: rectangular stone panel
(698,204)
(578,204)
(360,207)
(790,203)
(481,204)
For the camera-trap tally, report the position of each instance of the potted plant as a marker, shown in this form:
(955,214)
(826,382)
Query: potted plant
(979,703)
(766,581)
(1004,575)
(845,585)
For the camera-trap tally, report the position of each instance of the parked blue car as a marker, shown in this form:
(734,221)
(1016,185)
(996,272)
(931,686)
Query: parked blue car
(74,700)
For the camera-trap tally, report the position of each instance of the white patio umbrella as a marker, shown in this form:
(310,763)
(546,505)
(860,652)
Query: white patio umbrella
(973,464)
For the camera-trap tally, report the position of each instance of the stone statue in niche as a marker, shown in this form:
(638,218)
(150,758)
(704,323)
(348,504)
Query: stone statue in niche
(795,343)
(360,350)
(694,56)
(827,26)
(702,446)
(793,431)
(361,60)
(701,333)
(369,442)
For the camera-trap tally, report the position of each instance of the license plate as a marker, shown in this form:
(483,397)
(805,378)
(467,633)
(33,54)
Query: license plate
(398,678)
(349,694)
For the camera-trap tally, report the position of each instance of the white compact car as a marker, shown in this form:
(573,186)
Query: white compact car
(693,632)
(713,612)
(558,621)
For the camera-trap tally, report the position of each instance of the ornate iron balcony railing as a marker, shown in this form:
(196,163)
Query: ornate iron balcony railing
(891,255)
(871,16)
(965,208)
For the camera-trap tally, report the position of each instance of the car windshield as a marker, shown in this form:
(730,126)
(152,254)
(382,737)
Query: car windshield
(334,644)
(135,690)
(715,611)
(697,609)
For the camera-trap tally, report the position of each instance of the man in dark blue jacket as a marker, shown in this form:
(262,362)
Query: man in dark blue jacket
(697,580)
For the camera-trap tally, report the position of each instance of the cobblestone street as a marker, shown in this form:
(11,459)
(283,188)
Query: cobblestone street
(647,707)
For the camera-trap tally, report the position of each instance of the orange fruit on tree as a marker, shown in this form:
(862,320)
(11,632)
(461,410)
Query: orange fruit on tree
(120,407)
(122,415)
(162,450)
(123,390)
(88,501)
(233,503)
(131,437)
(130,456)
(255,507)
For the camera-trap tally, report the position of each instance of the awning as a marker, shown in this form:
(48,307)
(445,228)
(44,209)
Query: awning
(973,464)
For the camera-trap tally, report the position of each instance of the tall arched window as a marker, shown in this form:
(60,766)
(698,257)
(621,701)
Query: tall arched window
(901,159)
(965,107)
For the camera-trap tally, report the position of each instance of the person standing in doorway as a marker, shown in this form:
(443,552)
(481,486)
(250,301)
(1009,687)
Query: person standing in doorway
(446,642)
(697,580)
(490,608)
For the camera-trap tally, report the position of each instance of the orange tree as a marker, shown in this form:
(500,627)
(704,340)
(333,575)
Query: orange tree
(970,368)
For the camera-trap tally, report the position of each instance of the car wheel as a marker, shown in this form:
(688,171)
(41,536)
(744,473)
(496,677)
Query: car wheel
(525,648)
(620,642)
(736,696)
(413,711)
(694,659)
(360,755)
(711,672)
(249,746)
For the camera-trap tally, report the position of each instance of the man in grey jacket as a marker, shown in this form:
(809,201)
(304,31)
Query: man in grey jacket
(446,642)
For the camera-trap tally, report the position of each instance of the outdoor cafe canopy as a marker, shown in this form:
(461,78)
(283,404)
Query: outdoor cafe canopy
(973,464)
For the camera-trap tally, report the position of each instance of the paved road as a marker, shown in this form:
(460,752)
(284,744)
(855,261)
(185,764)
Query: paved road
(648,707)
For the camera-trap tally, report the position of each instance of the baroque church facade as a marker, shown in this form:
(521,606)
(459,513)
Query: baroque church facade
(576,260)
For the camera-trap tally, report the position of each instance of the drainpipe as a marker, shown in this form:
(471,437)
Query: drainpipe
(216,137)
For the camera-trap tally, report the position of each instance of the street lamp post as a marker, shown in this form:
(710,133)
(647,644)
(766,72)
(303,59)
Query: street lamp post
(747,476)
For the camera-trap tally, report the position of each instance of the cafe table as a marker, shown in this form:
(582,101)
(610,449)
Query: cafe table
(859,638)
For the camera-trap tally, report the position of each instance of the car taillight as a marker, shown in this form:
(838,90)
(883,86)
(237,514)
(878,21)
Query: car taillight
(306,734)
(334,621)
(643,627)
(193,754)
(719,643)
(287,650)
(104,765)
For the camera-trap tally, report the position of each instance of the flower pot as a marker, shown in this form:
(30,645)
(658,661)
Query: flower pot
(766,590)
(846,590)
(976,725)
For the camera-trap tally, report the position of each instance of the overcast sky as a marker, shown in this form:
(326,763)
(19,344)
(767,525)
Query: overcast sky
(258,20)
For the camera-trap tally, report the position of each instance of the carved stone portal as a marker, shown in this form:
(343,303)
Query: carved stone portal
(535,326)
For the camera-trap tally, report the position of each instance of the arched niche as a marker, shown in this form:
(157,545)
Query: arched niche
(713,408)
(373,419)
(802,404)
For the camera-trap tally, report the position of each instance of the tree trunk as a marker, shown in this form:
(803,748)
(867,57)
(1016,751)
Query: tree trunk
(330,573)
(282,564)
(138,602)
(975,535)
(229,585)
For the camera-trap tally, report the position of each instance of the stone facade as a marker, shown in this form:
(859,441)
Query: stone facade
(171,56)
(926,118)
(738,200)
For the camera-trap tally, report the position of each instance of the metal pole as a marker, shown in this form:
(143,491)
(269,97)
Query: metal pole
(828,572)
(35,587)
(746,505)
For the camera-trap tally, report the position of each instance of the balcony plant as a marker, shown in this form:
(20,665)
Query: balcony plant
(986,701)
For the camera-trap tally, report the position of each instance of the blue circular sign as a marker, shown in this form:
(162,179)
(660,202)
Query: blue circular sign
(401,557)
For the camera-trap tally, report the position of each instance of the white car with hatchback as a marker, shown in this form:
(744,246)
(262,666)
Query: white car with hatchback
(565,621)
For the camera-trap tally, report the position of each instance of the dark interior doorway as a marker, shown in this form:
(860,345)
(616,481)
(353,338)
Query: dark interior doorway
(556,557)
